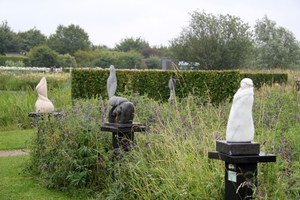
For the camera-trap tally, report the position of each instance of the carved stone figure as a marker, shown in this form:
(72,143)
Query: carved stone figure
(240,127)
(122,111)
(111,82)
(43,104)
(172,85)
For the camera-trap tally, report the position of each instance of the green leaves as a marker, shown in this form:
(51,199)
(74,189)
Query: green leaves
(215,42)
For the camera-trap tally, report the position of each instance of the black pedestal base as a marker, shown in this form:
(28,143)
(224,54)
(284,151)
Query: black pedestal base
(122,134)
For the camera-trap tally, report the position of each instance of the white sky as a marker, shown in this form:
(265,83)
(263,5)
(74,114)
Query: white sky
(156,21)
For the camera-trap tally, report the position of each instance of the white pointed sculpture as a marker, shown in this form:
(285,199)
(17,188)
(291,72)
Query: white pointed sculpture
(240,127)
(111,82)
(43,104)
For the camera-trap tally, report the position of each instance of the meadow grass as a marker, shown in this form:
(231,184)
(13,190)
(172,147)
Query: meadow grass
(169,160)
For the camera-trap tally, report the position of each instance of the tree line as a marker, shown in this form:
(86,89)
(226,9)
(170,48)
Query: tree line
(212,42)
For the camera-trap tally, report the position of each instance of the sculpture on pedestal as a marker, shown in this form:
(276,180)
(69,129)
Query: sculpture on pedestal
(240,127)
(43,104)
(172,85)
(122,111)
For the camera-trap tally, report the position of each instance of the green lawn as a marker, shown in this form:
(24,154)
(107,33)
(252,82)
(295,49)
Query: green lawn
(17,139)
(16,185)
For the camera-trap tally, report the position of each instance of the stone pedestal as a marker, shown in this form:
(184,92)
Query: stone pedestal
(240,167)
(122,134)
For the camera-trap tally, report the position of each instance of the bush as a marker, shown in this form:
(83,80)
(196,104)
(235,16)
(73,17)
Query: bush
(43,56)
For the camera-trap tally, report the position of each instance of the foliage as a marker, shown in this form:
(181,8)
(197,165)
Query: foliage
(42,56)
(276,47)
(66,60)
(11,63)
(69,39)
(169,160)
(31,39)
(260,79)
(85,58)
(69,152)
(121,60)
(154,62)
(9,41)
(205,84)
(214,42)
(147,52)
(15,59)
(132,44)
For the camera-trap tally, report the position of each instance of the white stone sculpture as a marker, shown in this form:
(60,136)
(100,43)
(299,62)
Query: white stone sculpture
(43,104)
(111,82)
(240,127)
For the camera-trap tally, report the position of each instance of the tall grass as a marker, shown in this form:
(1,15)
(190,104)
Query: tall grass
(169,160)
(16,104)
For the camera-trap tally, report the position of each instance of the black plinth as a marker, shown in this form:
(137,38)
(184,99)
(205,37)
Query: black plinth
(240,167)
(122,134)
(237,148)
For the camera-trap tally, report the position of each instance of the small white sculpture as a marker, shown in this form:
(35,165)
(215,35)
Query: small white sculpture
(111,82)
(240,127)
(43,104)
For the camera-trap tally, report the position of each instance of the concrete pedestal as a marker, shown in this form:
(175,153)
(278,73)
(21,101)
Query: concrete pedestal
(240,168)
(122,134)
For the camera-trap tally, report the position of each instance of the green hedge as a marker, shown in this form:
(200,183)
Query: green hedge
(24,59)
(27,82)
(259,79)
(212,86)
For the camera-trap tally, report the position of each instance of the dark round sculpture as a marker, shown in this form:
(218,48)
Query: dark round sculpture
(122,112)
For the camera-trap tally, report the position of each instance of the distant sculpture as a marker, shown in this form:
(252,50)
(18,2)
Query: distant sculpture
(172,85)
(240,127)
(43,104)
(111,82)
(122,111)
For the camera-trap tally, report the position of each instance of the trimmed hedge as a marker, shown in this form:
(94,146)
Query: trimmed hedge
(259,79)
(211,86)
(24,59)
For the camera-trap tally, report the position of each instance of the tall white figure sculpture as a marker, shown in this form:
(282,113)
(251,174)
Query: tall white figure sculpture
(240,127)
(111,82)
(43,104)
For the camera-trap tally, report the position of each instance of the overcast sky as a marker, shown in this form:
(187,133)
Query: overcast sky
(156,21)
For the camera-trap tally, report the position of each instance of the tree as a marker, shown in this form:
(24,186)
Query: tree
(275,46)
(66,60)
(214,42)
(129,44)
(31,38)
(69,39)
(121,60)
(42,56)
(147,52)
(154,62)
(9,41)
(85,58)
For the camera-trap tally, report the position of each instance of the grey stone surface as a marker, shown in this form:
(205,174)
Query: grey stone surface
(238,148)
(111,82)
